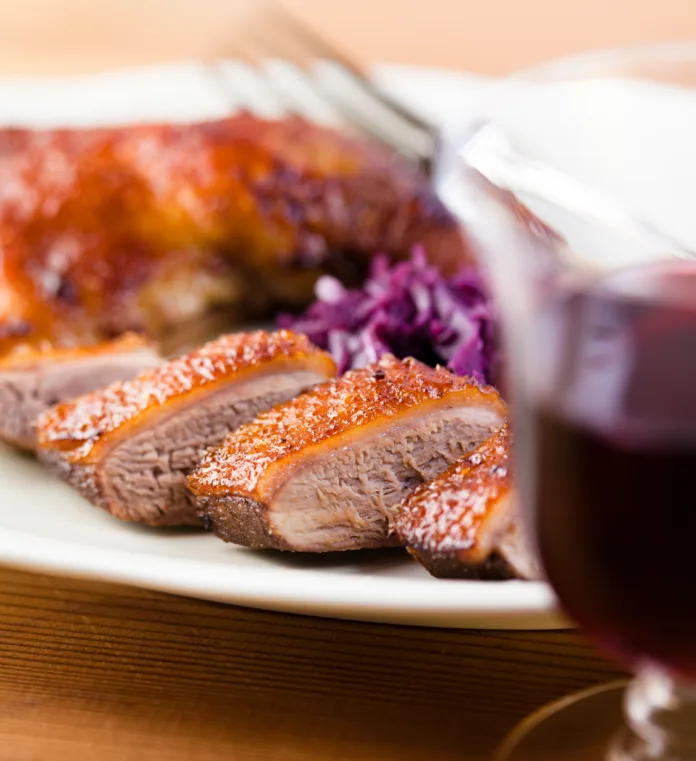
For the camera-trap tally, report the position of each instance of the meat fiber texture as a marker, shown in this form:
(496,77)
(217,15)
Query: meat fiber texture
(32,380)
(465,522)
(129,447)
(323,471)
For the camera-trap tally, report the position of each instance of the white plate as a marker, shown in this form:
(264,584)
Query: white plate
(44,526)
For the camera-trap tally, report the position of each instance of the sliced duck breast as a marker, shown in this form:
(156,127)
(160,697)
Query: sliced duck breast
(324,471)
(129,447)
(465,522)
(33,380)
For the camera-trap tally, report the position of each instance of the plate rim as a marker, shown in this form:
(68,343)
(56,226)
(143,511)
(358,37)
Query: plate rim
(390,599)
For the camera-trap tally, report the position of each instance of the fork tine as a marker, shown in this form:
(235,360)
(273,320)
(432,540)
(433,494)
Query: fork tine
(242,70)
(377,118)
(285,67)
(269,87)
(323,49)
(244,87)
(358,107)
(308,77)
(307,98)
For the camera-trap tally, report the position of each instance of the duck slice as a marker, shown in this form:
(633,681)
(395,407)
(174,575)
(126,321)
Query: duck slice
(33,380)
(465,523)
(324,471)
(129,447)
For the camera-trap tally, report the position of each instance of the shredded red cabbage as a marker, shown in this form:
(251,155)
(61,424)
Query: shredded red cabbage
(408,309)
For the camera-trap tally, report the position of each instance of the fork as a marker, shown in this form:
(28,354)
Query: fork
(280,66)
(276,65)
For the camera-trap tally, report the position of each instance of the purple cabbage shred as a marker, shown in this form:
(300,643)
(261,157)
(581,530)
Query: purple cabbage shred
(408,309)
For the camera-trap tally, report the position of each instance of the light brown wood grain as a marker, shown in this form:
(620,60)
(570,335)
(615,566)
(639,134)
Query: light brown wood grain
(92,671)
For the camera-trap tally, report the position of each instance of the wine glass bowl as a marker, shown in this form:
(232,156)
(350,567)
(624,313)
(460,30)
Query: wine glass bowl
(599,320)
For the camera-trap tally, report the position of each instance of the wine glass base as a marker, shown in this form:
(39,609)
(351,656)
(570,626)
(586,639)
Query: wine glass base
(579,727)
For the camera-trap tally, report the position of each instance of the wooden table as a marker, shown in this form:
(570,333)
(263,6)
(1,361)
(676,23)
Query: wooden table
(96,672)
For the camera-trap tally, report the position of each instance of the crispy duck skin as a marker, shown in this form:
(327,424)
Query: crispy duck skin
(322,471)
(155,228)
(34,378)
(464,523)
(127,448)
(27,355)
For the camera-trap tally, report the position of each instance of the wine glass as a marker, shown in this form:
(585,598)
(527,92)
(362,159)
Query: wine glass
(578,186)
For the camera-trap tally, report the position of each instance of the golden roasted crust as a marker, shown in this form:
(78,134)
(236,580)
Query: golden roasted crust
(445,516)
(245,462)
(147,227)
(26,355)
(78,427)
(33,379)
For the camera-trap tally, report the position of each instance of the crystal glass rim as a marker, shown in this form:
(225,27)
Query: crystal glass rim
(673,62)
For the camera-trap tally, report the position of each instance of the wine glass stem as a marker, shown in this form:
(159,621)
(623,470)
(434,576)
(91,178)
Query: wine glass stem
(661,719)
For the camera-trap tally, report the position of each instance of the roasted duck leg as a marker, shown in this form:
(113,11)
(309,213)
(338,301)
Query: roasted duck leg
(163,228)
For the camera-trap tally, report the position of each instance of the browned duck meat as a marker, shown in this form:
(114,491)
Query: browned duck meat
(33,380)
(324,471)
(129,447)
(465,523)
(178,229)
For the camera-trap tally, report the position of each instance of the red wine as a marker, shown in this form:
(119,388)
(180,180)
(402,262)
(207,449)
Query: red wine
(614,497)
(617,532)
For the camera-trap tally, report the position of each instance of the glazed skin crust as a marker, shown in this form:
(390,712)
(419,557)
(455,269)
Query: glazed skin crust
(254,458)
(80,430)
(148,227)
(442,521)
(27,355)
(34,378)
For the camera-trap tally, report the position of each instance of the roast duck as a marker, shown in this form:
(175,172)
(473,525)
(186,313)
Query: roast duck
(253,437)
(122,246)
(176,232)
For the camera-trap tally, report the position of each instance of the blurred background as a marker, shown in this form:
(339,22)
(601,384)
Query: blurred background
(491,37)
